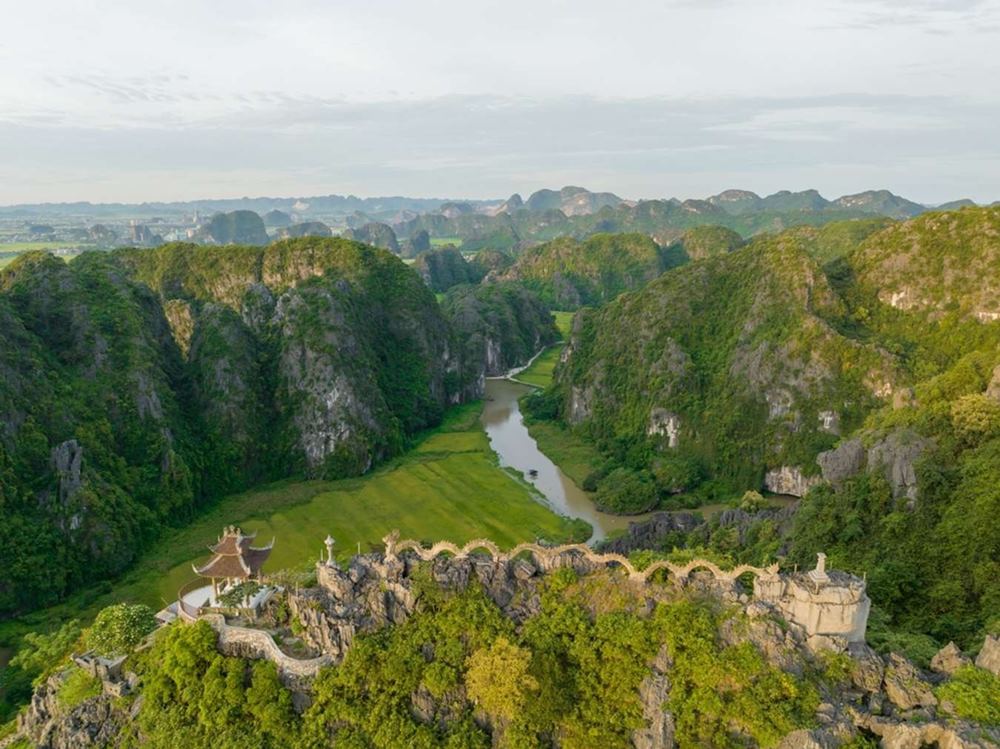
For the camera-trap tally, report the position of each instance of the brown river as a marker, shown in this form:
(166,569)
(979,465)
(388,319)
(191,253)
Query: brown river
(510,440)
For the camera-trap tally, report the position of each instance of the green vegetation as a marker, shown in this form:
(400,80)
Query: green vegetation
(573,670)
(542,370)
(568,274)
(575,456)
(446,267)
(142,385)
(498,325)
(703,348)
(118,629)
(709,241)
(975,693)
(78,686)
(740,353)
(446,242)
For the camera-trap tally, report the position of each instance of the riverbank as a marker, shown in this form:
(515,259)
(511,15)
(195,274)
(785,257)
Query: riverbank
(516,448)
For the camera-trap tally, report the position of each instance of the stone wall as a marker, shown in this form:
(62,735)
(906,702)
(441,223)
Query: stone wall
(243,642)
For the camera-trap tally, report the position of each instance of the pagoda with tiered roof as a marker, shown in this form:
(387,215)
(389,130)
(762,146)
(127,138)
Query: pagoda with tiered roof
(234,560)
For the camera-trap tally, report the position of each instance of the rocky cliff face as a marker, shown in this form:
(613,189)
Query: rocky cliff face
(497,327)
(138,383)
(740,351)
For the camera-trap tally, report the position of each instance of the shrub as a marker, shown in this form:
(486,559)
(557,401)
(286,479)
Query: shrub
(119,628)
(626,492)
(975,693)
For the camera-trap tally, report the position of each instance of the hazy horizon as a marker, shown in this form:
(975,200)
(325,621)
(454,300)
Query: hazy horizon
(153,102)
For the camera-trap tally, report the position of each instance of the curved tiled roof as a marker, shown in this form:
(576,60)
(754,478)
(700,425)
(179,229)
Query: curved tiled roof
(234,556)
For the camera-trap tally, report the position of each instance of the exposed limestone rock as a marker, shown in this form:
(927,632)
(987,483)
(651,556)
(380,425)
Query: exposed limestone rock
(649,534)
(903,735)
(989,656)
(664,423)
(579,404)
(949,659)
(48,724)
(67,462)
(808,740)
(843,462)
(181,322)
(829,421)
(896,456)
(868,669)
(658,733)
(789,480)
(904,687)
(993,389)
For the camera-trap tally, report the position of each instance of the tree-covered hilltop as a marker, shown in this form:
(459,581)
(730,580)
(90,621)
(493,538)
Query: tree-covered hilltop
(568,274)
(722,368)
(498,326)
(140,385)
(708,241)
(470,653)
(873,381)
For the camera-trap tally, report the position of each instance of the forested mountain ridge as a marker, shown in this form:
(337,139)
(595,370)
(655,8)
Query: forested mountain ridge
(141,384)
(729,363)
(568,273)
(870,384)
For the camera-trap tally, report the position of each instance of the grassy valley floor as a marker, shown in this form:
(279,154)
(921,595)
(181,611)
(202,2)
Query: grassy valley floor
(448,487)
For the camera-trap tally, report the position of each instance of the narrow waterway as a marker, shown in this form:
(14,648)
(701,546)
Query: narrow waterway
(511,441)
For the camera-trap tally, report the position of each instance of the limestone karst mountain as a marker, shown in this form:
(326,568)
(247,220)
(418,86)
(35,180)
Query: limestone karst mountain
(568,274)
(141,383)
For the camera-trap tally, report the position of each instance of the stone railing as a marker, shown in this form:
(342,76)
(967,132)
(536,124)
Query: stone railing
(255,643)
(551,557)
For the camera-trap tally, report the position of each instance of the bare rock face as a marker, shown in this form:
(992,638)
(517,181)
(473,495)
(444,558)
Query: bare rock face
(789,480)
(989,656)
(868,669)
(843,462)
(808,740)
(658,733)
(663,423)
(949,659)
(47,724)
(896,456)
(67,462)
(904,687)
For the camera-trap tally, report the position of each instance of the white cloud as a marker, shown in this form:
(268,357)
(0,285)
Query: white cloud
(486,97)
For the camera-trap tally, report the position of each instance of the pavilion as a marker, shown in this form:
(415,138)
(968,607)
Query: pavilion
(235,560)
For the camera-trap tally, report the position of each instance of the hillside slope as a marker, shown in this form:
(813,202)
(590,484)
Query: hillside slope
(140,385)
(568,274)
(728,363)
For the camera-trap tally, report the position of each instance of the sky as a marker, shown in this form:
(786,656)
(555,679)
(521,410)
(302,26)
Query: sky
(135,100)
